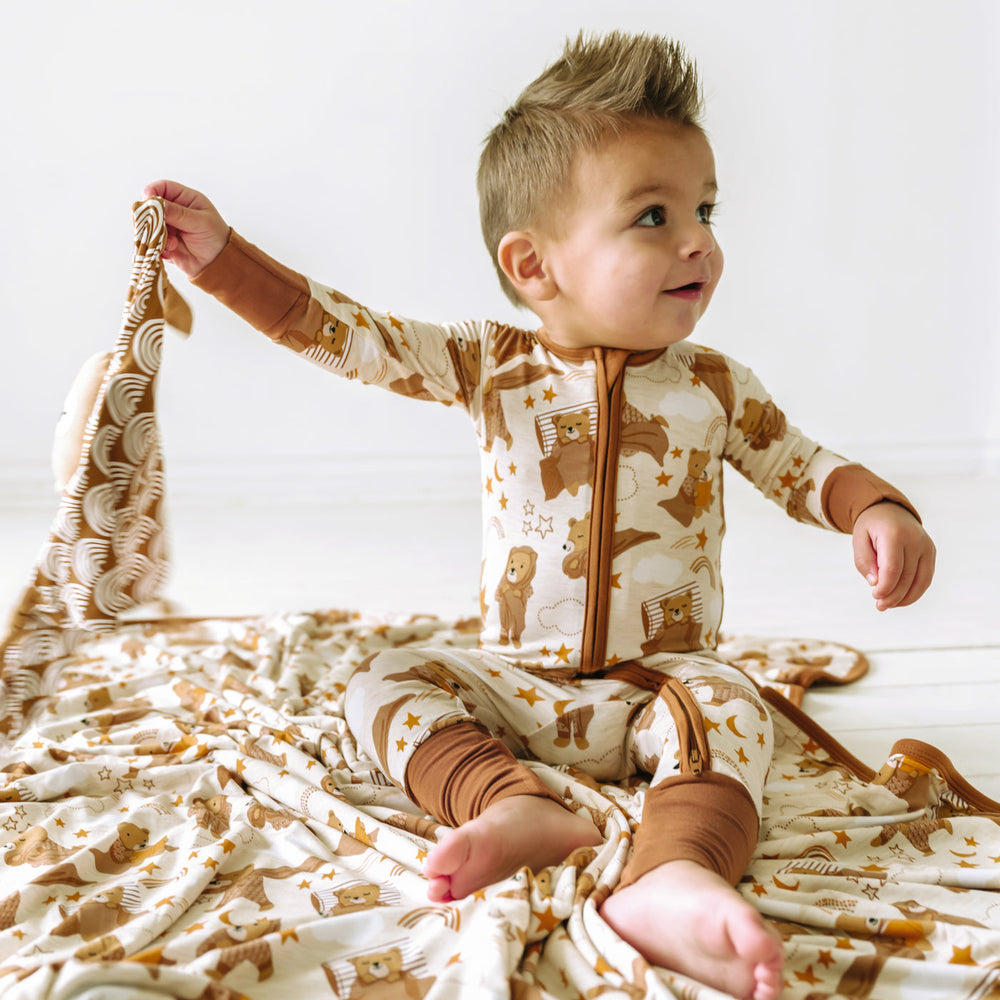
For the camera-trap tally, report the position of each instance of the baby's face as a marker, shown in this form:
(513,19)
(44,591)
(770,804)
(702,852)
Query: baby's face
(635,261)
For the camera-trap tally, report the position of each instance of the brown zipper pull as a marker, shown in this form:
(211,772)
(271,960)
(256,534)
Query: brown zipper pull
(694,760)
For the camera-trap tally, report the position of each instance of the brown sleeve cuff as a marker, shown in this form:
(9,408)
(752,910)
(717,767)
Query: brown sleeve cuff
(256,287)
(850,489)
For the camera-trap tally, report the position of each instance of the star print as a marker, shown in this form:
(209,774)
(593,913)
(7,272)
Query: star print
(395,323)
(512,468)
(797,462)
(530,695)
(547,920)
(695,381)
(808,976)
(702,539)
(360,321)
(544,526)
(411,720)
(677,452)
(663,479)
(529,508)
(400,744)
(787,480)
(616,581)
(489,485)
(562,653)
(825,959)
(842,838)
(503,501)
(529,403)
(549,394)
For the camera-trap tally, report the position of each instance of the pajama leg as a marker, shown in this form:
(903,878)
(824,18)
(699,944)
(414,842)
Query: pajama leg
(707,740)
(428,718)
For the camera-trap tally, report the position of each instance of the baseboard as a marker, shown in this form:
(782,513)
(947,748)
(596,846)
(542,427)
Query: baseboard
(353,479)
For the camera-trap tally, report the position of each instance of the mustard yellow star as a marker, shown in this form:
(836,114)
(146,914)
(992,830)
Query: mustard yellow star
(961,956)
(530,695)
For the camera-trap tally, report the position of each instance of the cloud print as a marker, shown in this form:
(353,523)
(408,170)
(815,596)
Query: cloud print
(565,617)
(684,404)
(657,569)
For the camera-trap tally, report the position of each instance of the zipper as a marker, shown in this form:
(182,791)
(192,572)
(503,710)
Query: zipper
(610,377)
(694,753)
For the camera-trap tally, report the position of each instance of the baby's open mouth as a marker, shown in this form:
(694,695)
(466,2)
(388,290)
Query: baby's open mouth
(690,288)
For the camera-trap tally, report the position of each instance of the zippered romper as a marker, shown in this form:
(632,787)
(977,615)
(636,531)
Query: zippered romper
(601,594)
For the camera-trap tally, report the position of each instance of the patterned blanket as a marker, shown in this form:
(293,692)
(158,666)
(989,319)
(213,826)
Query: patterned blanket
(185,812)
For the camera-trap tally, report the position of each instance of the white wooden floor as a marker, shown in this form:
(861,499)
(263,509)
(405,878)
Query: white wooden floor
(935,667)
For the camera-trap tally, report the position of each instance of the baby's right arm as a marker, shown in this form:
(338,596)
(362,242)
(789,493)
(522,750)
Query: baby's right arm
(196,233)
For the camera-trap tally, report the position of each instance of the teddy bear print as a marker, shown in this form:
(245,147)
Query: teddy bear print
(105,949)
(761,423)
(514,592)
(643,434)
(352,898)
(333,335)
(570,463)
(34,847)
(98,916)
(240,943)
(797,504)
(381,976)
(212,814)
(680,629)
(695,493)
(572,724)
(577,545)
(129,848)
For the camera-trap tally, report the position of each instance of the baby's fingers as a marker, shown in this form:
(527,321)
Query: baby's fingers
(921,581)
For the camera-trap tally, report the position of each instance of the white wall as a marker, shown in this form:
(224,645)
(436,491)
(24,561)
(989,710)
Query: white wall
(857,144)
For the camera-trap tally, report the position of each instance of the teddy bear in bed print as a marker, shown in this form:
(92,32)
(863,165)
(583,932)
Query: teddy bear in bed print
(602,500)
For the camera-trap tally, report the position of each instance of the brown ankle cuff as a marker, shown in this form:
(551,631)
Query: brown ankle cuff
(708,818)
(457,772)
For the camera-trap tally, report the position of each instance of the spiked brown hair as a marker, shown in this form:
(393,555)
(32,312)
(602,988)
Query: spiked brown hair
(594,89)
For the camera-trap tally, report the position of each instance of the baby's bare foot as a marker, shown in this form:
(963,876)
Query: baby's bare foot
(519,831)
(685,918)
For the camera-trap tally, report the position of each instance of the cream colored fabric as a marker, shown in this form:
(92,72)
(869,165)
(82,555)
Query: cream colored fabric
(189,815)
(106,551)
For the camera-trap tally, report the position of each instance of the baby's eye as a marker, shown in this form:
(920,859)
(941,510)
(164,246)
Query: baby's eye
(705,213)
(654,216)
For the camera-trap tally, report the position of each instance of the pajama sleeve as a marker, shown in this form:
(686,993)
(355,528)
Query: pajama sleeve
(420,360)
(812,484)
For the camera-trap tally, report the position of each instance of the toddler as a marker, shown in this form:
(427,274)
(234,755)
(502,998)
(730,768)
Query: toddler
(602,434)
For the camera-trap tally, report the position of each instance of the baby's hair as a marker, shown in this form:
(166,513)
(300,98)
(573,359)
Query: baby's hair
(594,89)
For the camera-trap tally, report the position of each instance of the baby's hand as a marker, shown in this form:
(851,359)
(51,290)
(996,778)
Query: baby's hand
(893,553)
(196,233)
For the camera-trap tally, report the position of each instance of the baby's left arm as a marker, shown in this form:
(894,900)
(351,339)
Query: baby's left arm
(894,553)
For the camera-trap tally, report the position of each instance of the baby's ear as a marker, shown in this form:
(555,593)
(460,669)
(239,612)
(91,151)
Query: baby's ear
(68,443)
(520,258)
